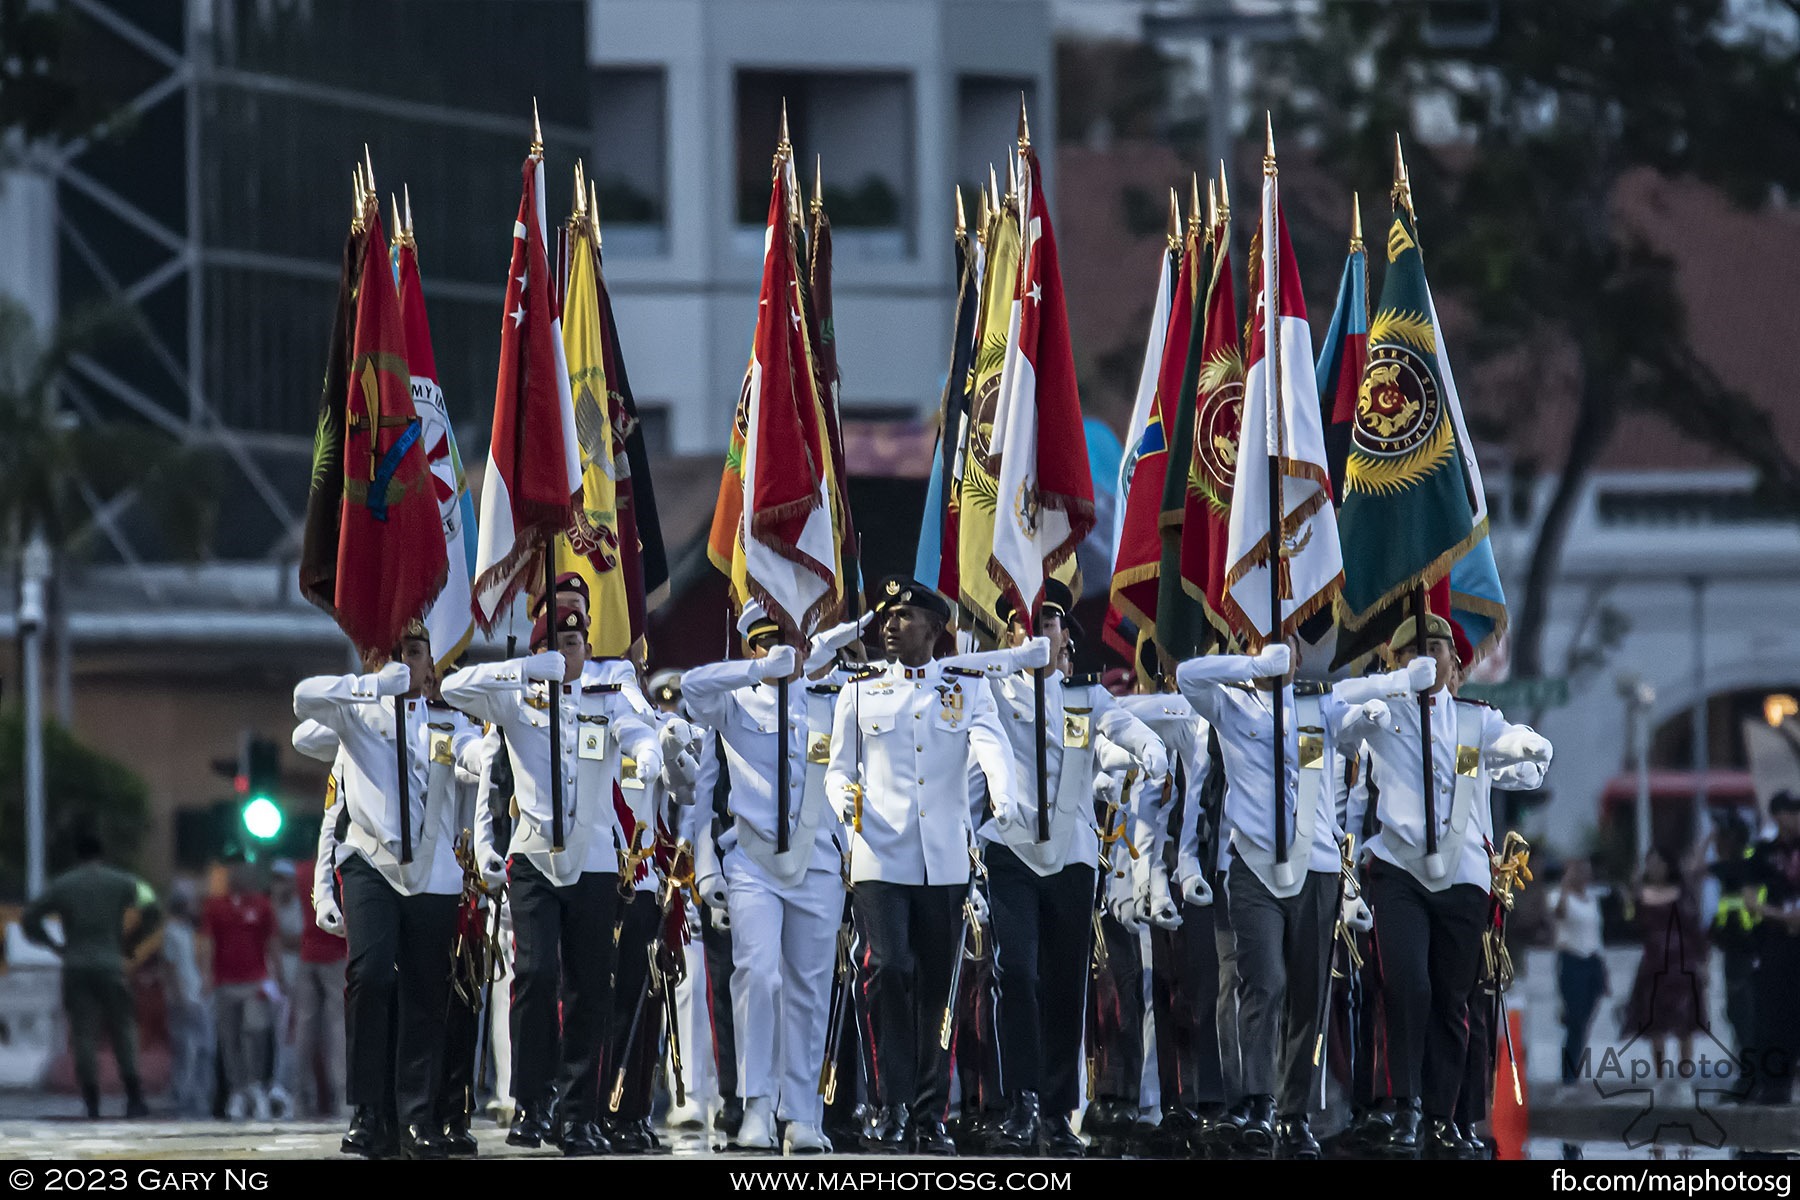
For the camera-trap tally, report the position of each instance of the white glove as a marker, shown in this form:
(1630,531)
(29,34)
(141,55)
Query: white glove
(1163,913)
(1106,789)
(1421,673)
(1033,654)
(1008,812)
(1122,902)
(1196,891)
(712,891)
(327,917)
(825,647)
(721,918)
(1376,712)
(493,870)
(395,679)
(546,666)
(1271,660)
(979,903)
(778,664)
(649,763)
(1356,915)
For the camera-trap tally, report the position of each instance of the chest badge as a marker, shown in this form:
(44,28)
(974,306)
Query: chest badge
(1076,730)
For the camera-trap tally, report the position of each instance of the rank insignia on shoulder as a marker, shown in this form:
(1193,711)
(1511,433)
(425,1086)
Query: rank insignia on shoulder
(870,672)
(1476,703)
(1311,687)
(601,689)
(824,689)
(1083,681)
(965,672)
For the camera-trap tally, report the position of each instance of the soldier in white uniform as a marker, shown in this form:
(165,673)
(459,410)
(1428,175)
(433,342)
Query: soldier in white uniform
(400,915)
(906,744)
(1042,893)
(1431,906)
(785,908)
(564,900)
(1282,907)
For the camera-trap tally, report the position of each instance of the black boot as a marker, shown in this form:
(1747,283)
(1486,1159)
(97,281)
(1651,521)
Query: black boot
(1441,1139)
(1018,1133)
(1480,1148)
(457,1139)
(626,1136)
(1294,1138)
(530,1127)
(583,1139)
(1256,1139)
(1402,1139)
(1174,1134)
(134,1100)
(422,1142)
(90,1100)
(730,1118)
(1060,1138)
(930,1138)
(368,1135)
(1108,1126)
(886,1131)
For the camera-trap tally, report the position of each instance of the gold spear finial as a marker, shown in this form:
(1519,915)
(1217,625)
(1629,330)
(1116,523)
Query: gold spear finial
(818,200)
(580,207)
(962,219)
(359,199)
(1402,193)
(368,170)
(406,201)
(786,144)
(982,212)
(1268,143)
(993,189)
(1024,125)
(399,229)
(1356,235)
(1174,219)
(537,131)
(1012,176)
(1224,194)
(594,210)
(1194,202)
(1212,204)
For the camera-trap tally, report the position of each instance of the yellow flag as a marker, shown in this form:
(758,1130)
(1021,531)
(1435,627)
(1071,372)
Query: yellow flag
(975,500)
(590,547)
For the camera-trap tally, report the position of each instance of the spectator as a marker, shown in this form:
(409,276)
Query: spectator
(318,995)
(1580,965)
(92,901)
(289,918)
(1668,997)
(1774,896)
(190,1024)
(1734,926)
(240,929)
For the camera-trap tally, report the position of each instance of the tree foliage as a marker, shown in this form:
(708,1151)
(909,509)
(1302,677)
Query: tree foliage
(85,791)
(1547,107)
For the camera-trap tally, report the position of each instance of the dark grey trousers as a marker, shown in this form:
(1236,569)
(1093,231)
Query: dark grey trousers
(1283,963)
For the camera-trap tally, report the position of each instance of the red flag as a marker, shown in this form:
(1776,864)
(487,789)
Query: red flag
(390,554)
(533,468)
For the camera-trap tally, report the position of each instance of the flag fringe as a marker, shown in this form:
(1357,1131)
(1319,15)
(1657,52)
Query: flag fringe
(509,574)
(1433,571)
(1494,611)
(1325,596)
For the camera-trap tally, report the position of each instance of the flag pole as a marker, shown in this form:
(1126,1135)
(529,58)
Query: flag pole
(1040,737)
(1271,238)
(556,685)
(783,769)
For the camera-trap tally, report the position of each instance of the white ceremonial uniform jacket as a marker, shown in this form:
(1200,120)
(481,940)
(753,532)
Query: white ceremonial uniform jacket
(1470,743)
(742,711)
(349,708)
(598,725)
(1077,716)
(914,737)
(1183,732)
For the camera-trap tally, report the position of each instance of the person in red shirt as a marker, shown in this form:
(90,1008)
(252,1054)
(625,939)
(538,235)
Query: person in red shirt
(318,1006)
(239,928)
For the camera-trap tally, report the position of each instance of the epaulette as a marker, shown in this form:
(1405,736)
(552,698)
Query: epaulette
(1242,687)
(865,674)
(1082,681)
(824,689)
(601,689)
(1311,687)
(965,672)
(1478,703)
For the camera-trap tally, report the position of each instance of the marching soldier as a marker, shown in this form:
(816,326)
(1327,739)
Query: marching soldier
(785,907)
(559,897)
(905,742)
(1042,892)
(400,916)
(1430,907)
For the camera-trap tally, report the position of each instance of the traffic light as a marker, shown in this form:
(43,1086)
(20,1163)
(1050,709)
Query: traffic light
(258,782)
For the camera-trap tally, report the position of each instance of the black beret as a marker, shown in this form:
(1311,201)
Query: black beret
(897,590)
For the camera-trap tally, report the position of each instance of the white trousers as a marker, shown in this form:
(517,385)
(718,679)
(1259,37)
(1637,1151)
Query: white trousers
(784,949)
(696,1030)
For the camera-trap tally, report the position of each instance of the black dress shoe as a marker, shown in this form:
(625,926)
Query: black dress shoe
(530,1127)
(1368,1127)
(730,1118)
(1018,1133)
(134,1101)
(457,1139)
(583,1139)
(1174,1135)
(975,1134)
(646,1134)
(422,1142)
(1256,1137)
(1294,1138)
(1402,1139)
(930,1138)
(1108,1126)
(368,1135)
(886,1131)
(626,1136)
(1479,1148)
(1441,1139)
(1060,1138)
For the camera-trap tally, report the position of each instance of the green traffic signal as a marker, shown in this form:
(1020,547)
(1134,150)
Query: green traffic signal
(262,818)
